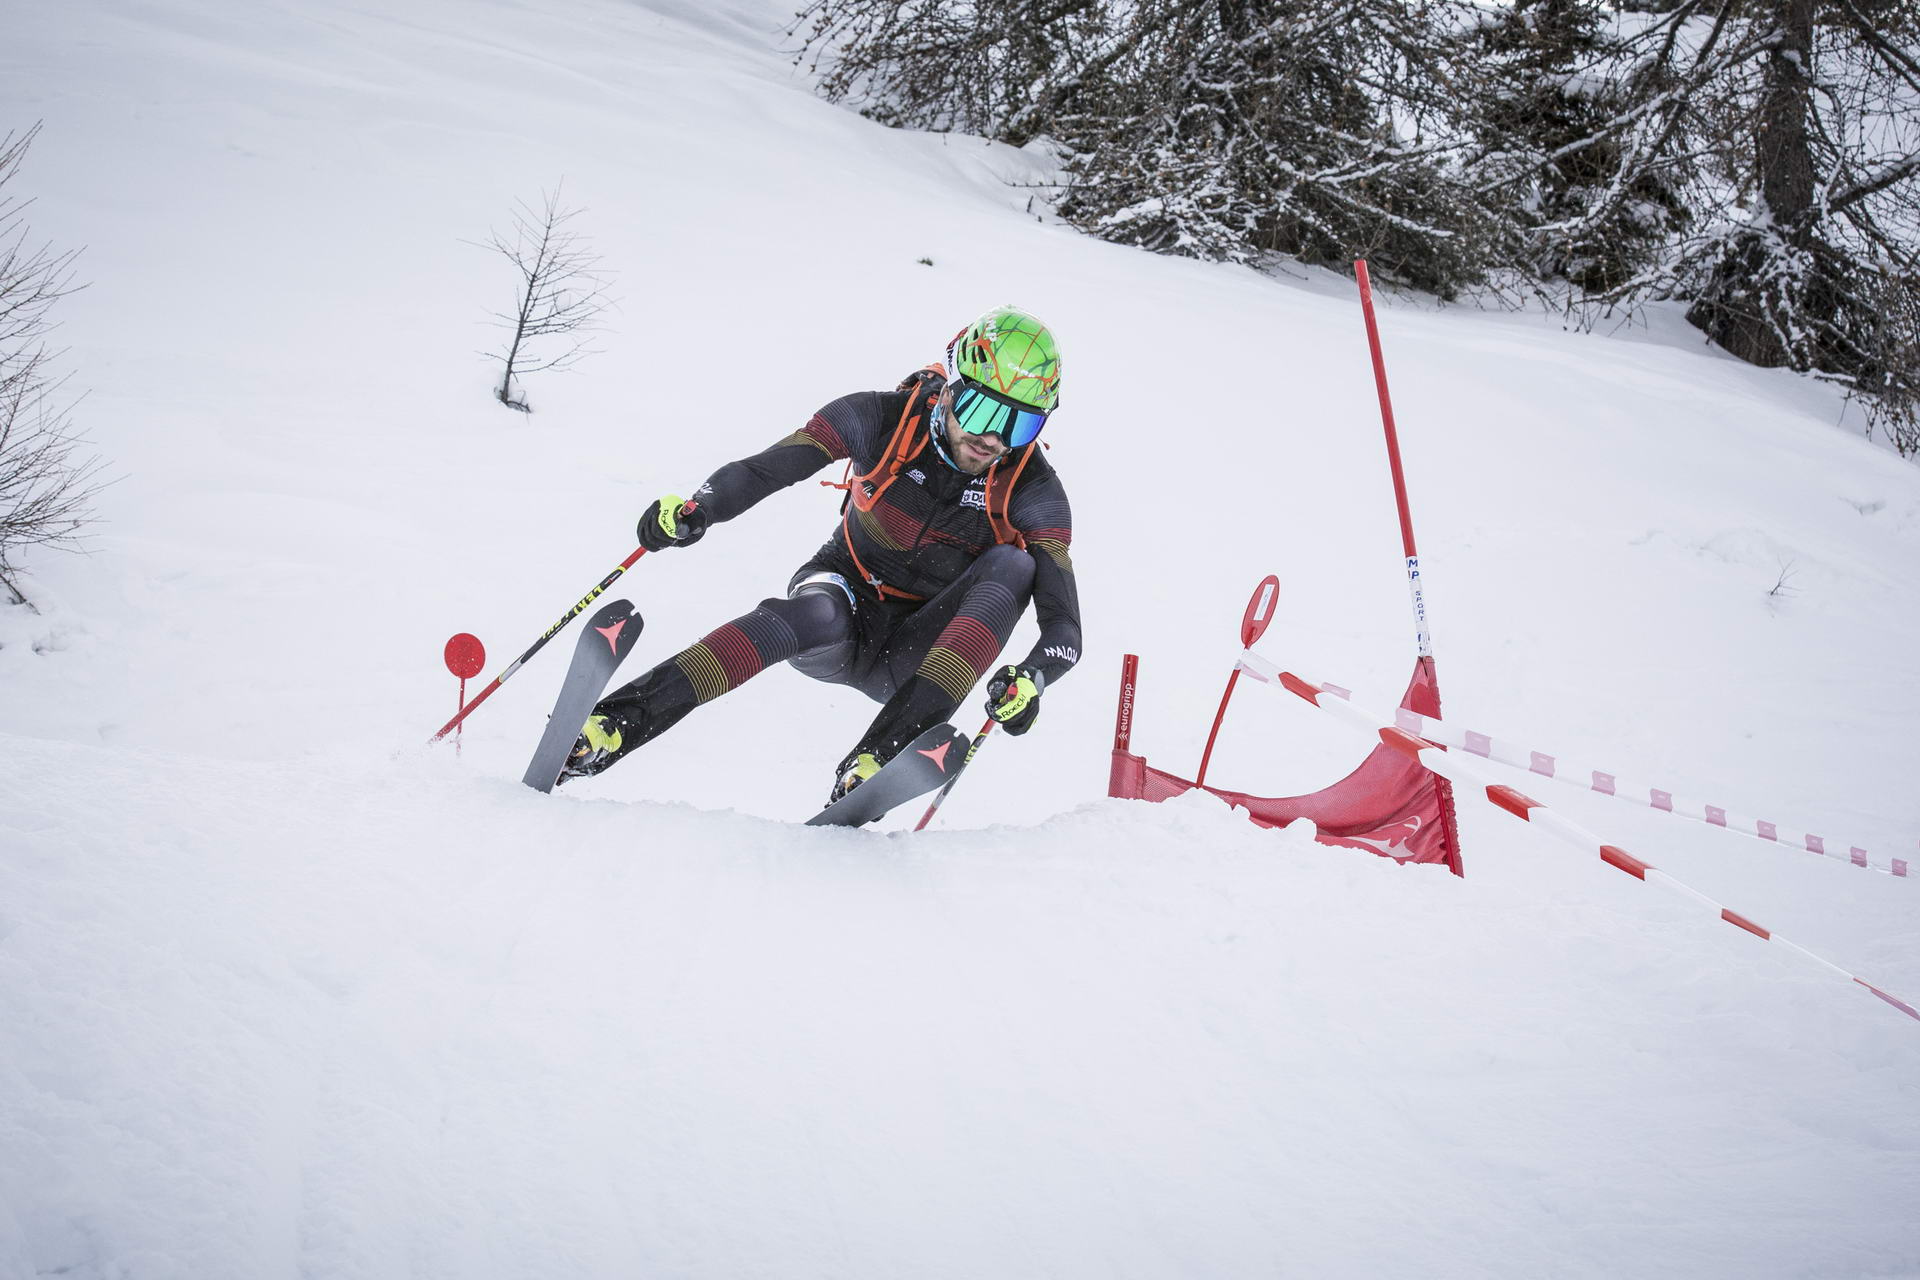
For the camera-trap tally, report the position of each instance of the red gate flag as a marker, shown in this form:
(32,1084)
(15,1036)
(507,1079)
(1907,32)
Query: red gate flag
(1390,805)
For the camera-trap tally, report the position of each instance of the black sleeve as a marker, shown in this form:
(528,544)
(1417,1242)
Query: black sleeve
(1043,517)
(851,427)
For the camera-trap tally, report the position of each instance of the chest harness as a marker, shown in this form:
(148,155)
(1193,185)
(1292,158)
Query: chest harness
(909,440)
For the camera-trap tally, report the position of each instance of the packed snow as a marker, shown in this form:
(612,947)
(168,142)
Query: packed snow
(286,992)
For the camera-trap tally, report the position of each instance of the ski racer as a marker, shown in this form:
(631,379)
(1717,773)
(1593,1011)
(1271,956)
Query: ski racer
(953,521)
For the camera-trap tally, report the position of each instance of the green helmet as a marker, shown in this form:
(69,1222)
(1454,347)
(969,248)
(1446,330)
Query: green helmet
(1011,352)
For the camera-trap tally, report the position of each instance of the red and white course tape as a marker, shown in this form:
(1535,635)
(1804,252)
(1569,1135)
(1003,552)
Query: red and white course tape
(1470,780)
(1560,769)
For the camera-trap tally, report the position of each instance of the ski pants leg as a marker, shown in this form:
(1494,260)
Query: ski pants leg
(812,621)
(919,662)
(926,666)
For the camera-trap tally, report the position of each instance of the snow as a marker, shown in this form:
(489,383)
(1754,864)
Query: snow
(285,992)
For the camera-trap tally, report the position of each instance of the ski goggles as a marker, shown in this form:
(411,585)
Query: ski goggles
(980,412)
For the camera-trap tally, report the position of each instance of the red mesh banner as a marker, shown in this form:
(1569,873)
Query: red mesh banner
(1389,805)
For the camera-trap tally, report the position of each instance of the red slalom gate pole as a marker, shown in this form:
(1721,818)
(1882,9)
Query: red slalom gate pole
(1123,713)
(1422,637)
(465,656)
(1253,625)
(549,634)
(1120,780)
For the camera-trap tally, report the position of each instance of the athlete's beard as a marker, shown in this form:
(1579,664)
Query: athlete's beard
(960,447)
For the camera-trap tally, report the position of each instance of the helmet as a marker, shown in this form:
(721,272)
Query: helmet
(1011,352)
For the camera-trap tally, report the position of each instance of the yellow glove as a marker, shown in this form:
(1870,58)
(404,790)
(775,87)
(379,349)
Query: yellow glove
(672,522)
(1013,697)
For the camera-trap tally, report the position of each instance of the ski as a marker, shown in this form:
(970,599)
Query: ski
(926,764)
(603,644)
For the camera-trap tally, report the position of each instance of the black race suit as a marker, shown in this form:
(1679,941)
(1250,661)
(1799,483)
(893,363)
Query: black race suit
(927,535)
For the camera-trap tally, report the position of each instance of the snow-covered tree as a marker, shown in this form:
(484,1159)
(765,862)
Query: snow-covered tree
(1552,162)
(1320,129)
(1758,160)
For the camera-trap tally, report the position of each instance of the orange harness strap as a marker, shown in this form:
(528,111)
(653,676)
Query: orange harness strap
(863,493)
(1003,530)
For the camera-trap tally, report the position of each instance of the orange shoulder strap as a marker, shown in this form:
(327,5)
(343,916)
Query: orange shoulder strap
(902,447)
(1000,498)
(863,491)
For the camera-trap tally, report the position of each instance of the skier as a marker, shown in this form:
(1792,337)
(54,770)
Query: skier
(953,521)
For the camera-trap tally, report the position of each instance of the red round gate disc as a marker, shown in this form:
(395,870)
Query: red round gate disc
(1259,611)
(466,656)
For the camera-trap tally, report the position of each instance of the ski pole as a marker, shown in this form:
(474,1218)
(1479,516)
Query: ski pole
(941,794)
(549,634)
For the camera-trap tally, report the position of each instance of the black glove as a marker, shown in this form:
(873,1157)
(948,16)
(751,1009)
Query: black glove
(1013,697)
(671,522)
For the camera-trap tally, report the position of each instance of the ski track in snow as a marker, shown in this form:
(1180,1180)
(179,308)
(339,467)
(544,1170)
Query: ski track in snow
(285,993)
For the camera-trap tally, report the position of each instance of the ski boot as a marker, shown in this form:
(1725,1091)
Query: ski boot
(597,747)
(854,770)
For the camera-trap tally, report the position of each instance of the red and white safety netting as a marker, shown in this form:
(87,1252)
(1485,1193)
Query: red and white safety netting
(1467,777)
(1387,806)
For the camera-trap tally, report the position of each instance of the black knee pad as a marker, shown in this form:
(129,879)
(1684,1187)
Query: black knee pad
(1007,564)
(818,613)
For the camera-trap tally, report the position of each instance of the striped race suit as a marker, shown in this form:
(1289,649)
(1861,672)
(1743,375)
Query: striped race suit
(927,535)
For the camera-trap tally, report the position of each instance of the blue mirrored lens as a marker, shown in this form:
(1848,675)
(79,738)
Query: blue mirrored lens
(980,414)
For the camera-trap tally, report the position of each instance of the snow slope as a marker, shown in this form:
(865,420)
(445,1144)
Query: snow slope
(282,992)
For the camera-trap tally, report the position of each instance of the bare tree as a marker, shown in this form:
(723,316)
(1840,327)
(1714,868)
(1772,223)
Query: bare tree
(46,485)
(562,293)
